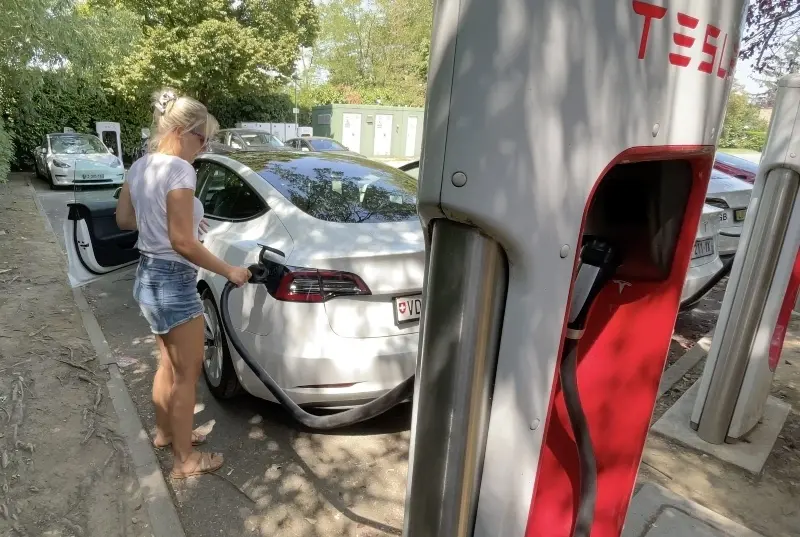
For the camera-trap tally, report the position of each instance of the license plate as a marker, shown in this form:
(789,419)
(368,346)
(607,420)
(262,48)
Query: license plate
(407,308)
(739,215)
(703,247)
(90,176)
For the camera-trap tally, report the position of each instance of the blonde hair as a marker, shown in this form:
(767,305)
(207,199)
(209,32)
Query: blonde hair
(174,116)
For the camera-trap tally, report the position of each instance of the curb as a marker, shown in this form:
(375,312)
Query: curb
(164,519)
(685,363)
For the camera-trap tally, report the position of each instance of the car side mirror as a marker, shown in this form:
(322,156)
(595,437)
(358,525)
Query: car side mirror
(117,193)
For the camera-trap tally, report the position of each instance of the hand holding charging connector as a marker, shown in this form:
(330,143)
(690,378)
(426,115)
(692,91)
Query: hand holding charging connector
(598,263)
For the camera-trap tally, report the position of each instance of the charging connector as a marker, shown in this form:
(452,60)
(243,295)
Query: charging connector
(598,263)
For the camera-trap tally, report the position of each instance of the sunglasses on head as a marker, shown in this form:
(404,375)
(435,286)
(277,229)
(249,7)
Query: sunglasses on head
(200,137)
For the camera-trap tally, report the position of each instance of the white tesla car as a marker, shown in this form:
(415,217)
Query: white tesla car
(339,323)
(72,158)
(732,196)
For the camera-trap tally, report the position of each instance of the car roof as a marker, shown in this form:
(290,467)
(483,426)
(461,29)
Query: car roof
(257,161)
(246,131)
(71,134)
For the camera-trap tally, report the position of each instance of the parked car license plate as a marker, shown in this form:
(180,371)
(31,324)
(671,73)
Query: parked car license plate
(703,247)
(407,308)
(739,215)
(90,176)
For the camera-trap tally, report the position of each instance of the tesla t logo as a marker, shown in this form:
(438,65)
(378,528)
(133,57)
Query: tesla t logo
(712,41)
(621,285)
(402,307)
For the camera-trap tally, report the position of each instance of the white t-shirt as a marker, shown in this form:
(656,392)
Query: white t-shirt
(150,179)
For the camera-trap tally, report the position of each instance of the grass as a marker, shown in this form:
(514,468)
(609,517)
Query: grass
(737,151)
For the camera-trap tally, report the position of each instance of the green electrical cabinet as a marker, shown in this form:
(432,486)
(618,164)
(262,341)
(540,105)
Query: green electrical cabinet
(391,132)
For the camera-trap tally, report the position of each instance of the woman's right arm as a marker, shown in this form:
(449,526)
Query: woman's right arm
(126,214)
(183,237)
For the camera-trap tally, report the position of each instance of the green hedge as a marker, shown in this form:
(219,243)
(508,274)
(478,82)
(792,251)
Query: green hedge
(61,100)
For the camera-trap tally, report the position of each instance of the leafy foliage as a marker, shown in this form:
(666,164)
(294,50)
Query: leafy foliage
(53,39)
(213,48)
(62,100)
(377,49)
(770,25)
(775,67)
(743,127)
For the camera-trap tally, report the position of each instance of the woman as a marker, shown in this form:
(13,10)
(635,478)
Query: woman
(158,200)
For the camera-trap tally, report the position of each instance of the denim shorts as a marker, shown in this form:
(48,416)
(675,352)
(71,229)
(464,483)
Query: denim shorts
(167,293)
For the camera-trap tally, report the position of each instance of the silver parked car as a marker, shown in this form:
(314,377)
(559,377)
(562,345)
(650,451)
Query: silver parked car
(65,159)
(732,195)
(228,140)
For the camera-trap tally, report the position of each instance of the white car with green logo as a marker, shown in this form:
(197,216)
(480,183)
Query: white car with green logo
(66,159)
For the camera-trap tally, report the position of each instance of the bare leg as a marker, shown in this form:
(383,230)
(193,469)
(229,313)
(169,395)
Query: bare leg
(162,391)
(184,344)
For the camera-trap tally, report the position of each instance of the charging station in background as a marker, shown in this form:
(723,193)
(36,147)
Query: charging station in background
(762,288)
(552,127)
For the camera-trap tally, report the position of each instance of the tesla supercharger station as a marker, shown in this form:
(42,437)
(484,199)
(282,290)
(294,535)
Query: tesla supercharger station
(762,288)
(552,126)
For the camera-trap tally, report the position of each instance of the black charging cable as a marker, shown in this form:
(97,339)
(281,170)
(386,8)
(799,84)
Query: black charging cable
(598,263)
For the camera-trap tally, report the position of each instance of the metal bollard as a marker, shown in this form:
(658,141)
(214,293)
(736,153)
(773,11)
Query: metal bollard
(736,364)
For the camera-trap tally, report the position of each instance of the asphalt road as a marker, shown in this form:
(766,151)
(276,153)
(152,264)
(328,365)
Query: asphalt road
(279,479)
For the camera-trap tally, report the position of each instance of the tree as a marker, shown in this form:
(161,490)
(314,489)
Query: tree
(775,67)
(52,37)
(770,25)
(377,44)
(743,127)
(213,48)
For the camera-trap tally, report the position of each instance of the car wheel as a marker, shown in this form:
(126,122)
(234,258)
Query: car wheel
(217,364)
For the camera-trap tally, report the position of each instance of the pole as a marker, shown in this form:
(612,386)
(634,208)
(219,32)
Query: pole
(750,297)
(296,109)
(459,344)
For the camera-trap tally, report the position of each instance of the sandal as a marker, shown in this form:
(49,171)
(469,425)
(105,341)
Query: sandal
(206,464)
(197,440)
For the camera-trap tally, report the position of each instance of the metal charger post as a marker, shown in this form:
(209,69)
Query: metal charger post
(552,125)
(737,376)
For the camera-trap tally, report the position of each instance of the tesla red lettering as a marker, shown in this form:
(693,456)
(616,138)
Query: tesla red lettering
(685,39)
(709,49)
(649,12)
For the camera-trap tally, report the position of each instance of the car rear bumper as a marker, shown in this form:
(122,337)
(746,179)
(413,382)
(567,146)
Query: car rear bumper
(697,277)
(331,371)
(728,245)
(66,177)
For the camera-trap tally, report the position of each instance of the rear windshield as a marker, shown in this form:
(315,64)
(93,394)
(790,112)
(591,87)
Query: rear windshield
(344,190)
(322,144)
(260,138)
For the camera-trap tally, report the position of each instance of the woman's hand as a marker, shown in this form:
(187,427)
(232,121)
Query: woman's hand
(203,227)
(238,275)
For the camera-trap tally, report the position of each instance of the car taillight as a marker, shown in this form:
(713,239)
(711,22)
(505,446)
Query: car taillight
(312,285)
